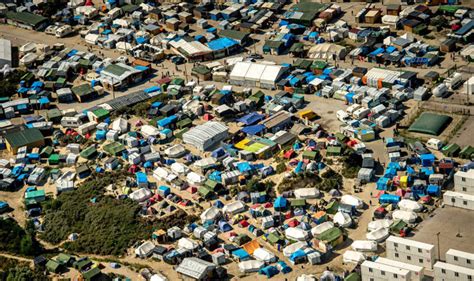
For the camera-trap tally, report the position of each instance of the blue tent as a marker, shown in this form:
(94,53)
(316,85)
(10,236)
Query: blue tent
(218,153)
(224,226)
(241,254)
(152,89)
(251,118)
(269,271)
(216,176)
(299,167)
(167,121)
(298,254)
(148,164)
(284,267)
(156,104)
(427,160)
(389,198)
(164,190)
(141,177)
(254,129)
(280,203)
(427,170)
(433,190)
(218,204)
(244,167)
(383,184)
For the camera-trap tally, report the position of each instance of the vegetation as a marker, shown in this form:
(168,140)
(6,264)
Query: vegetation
(328,180)
(351,165)
(106,226)
(140,109)
(17,240)
(13,270)
(9,84)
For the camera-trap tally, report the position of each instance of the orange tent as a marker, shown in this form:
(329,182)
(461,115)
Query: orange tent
(251,246)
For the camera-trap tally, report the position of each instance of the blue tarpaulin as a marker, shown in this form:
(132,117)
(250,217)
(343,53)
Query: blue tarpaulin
(251,118)
(152,89)
(298,254)
(427,160)
(389,198)
(222,43)
(241,254)
(269,271)
(383,183)
(254,129)
(141,177)
(167,121)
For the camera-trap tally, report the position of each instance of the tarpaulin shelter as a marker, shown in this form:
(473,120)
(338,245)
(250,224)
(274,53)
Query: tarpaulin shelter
(280,203)
(224,226)
(269,271)
(241,254)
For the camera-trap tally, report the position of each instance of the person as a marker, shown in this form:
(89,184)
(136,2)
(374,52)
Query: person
(370,202)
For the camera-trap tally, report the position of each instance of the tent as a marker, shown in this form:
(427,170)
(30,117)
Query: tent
(410,205)
(210,214)
(364,246)
(280,203)
(374,225)
(187,243)
(290,249)
(327,51)
(234,207)
(241,254)
(352,200)
(262,254)
(298,234)
(224,226)
(406,216)
(317,230)
(342,219)
(379,235)
(307,193)
(250,266)
(269,271)
(353,257)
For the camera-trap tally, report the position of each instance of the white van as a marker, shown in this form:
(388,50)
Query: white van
(63,31)
(71,122)
(343,116)
(361,113)
(434,144)
(352,108)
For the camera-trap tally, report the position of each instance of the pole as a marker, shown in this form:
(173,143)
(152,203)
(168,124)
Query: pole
(439,250)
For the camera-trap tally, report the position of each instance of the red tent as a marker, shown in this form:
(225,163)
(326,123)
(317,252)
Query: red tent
(208,117)
(289,154)
(89,3)
(293,223)
(192,189)
(244,223)
(268,205)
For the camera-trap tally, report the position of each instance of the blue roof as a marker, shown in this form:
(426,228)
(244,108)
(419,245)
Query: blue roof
(377,51)
(141,177)
(280,202)
(251,118)
(465,28)
(299,253)
(141,40)
(241,254)
(167,121)
(222,43)
(151,90)
(254,129)
(156,104)
(43,100)
(141,67)
(37,84)
(428,156)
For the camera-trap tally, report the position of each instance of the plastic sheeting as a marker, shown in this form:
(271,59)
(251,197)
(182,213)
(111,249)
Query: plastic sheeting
(378,235)
(364,246)
(352,200)
(342,219)
(315,231)
(250,266)
(406,216)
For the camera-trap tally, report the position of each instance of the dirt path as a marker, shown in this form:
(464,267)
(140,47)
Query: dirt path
(17,258)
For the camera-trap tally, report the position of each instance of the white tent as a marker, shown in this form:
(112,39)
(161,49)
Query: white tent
(141,194)
(195,179)
(250,266)
(378,235)
(315,231)
(353,257)
(327,51)
(123,46)
(158,277)
(28,59)
(364,246)
(295,233)
(205,162)
(290,249)
(187,243)
(92,38)
(120,125)
(262,254)
(234,207)
(406,216)
(175,151)
(342,219)
(28,48)
(305,277)
(210,214)
(145,249)
(352,200)
(410,205)
(374,225)
(179,168)
(149,131)
(307,193)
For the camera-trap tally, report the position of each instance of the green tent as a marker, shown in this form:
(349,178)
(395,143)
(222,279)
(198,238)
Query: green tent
(311,155)
(333,151)
(332,207)
(451,150)
(204,192)
(53,266)
(467,152)
(89,152)
(331,235)
(354,276)
(53,159)
(297,203)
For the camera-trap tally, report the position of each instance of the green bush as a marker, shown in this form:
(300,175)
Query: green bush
(17,240)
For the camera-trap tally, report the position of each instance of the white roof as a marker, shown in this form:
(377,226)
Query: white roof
(251,71)
(409,242)
(342,219)
(353,257)
(187,243)
(295,233)
(234,207)
(307,193)
(387,268)
(410,205)
(194,267)
(140,195)
(179,168)
(406,216)
(321,228)
(210,214)
(457,253)
(262,254)
(378,235)
(364,245)
(290,249)
(459,195)
(352,200)
(255,71)
(191,48)
(250,266)
(373,225)
(399,264)
(456,268)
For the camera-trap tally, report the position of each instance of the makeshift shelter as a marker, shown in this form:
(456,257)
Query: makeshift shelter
(327,51)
